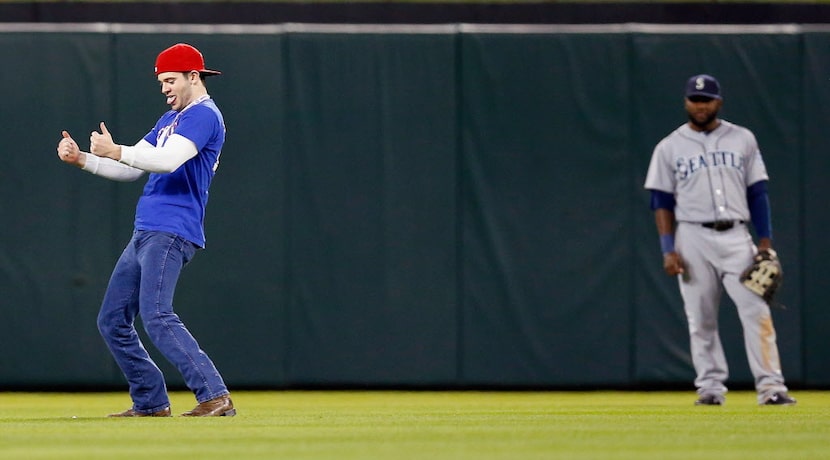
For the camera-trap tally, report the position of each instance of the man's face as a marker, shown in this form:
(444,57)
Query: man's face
(702,110)
(178,88)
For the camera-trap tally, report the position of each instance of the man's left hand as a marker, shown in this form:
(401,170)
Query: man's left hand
(102,145)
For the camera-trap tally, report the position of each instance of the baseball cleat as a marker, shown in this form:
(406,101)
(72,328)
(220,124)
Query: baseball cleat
(710,400)
(779,399)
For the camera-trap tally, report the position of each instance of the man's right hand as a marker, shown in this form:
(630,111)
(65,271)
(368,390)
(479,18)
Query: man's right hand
(68,150)
(673,263)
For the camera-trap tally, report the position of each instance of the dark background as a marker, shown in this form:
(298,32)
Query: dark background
(544,12)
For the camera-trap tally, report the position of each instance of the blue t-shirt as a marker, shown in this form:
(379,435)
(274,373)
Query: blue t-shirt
(175,202)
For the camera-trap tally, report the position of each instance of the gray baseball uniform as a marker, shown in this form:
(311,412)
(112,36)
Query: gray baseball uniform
(708,173)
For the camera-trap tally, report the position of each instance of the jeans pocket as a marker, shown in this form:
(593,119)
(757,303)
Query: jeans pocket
(187,248)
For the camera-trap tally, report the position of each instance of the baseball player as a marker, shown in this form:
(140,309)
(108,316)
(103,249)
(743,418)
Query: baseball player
(708,181)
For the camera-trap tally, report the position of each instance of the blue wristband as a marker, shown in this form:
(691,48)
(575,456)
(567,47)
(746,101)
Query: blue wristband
(667,243)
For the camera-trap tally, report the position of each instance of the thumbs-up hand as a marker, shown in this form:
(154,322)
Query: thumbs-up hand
(102,145)
(68,150)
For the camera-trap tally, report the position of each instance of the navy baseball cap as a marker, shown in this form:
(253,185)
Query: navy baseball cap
(703,85)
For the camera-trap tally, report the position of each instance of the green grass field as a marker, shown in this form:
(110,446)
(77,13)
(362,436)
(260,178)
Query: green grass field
(421,425)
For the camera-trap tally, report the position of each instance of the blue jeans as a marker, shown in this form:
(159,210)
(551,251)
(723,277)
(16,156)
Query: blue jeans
(143,283)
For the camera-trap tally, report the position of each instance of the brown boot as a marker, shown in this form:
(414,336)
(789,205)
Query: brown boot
(216,407)
(132,413)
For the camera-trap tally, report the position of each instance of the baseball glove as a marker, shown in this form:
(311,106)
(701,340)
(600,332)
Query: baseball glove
(765,275)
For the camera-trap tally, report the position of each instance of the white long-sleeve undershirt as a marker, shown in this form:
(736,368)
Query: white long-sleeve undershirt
(111,169)
(143,157)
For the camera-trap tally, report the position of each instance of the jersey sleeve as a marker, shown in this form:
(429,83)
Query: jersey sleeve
(660,174)
(756,170)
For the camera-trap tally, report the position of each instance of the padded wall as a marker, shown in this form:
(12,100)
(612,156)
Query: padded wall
(457,207)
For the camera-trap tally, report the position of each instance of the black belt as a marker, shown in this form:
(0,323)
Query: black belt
(721,225)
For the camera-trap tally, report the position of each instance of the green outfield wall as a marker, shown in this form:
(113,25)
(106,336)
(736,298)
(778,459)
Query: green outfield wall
(408,206)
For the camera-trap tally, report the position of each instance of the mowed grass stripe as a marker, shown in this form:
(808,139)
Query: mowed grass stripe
(421,425)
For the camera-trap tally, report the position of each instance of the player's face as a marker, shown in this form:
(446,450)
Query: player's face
(703,111)
(178,88)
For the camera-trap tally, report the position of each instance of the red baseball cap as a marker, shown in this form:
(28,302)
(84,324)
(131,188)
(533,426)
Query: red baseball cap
(182,57)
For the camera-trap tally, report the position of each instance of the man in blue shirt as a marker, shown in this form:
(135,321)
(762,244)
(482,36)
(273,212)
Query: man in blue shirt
(181,154)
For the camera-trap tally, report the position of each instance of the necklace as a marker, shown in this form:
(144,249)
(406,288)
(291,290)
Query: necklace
(170,129)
